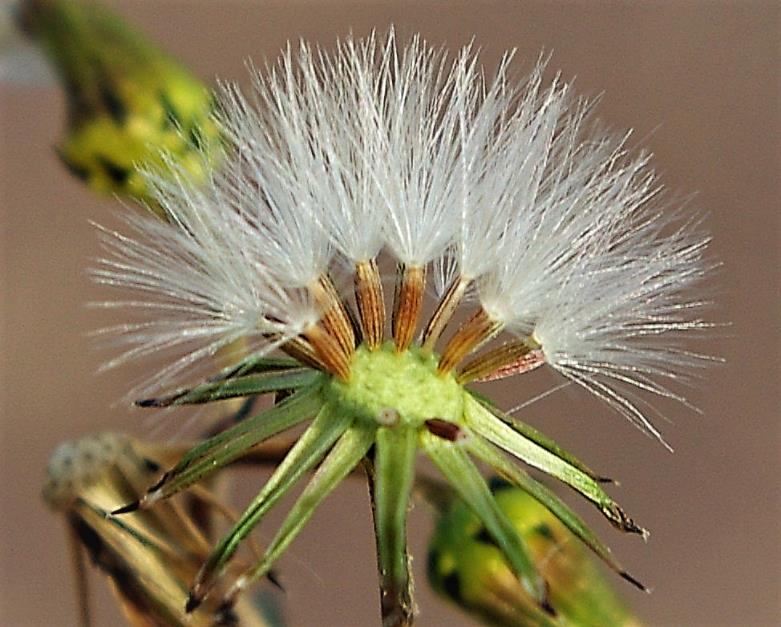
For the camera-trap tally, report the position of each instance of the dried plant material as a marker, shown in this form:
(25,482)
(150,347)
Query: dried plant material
(149,557)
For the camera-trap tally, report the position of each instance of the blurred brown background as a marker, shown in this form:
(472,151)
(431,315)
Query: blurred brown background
(699,79)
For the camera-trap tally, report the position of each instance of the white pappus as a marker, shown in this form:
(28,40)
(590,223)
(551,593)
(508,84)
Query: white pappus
(505,189)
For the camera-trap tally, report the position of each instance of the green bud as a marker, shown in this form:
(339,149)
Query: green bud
(466,567)
(128,102)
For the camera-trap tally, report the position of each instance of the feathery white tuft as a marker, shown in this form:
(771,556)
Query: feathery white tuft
(615,324)
(505,132)
(274,169)
(595,272)
(201,280)
(347,92)
(377,145)
(416,176)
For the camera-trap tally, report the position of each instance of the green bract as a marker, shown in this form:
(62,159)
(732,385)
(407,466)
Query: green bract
(392,405)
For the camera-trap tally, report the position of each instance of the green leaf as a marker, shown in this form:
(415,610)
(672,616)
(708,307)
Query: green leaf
(307,451)
(250,385)
(535,436)
(345,455)
(486,424)
(394,468)
(466,479)
(225,447)
(548,499)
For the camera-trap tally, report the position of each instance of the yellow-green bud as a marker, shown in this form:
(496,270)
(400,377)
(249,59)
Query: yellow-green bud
(467,567)
(127,100)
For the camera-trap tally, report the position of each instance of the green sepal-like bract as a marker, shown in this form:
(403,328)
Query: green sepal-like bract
(517,477)
(375,411)
(496,431)
(247,385)
(224,448)
(308,450)
(530,433)
(466,479)
(348,451)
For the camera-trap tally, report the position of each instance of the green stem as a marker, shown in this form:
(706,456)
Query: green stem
(394,467)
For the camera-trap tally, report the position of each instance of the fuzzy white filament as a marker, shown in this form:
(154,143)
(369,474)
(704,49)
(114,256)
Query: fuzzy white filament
(201,281)
(595,272)
(504,132)
(351,149)
(416,176)
(379,146)
(272,176)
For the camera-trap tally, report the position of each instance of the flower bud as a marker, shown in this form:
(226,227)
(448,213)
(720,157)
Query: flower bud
(466,567)
(128,102)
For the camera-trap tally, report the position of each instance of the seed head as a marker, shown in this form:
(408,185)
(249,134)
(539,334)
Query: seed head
(552,229)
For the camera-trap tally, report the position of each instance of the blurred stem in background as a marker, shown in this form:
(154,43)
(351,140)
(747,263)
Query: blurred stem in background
(466,567)
(128,102)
